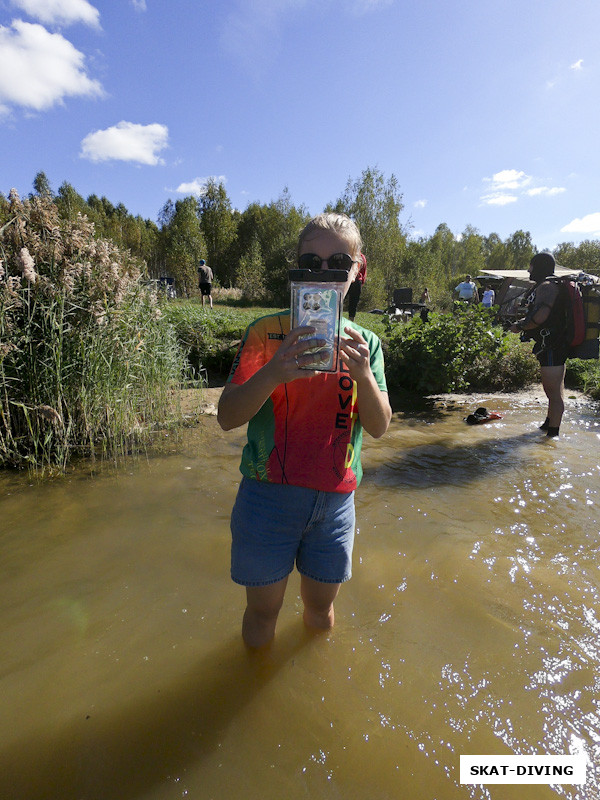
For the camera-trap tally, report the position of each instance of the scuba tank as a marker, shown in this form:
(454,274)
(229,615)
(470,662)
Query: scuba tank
(590,291)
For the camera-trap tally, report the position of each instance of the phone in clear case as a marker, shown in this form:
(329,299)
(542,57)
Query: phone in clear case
(316,300)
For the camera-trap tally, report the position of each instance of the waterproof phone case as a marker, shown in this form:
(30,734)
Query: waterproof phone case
(316,300)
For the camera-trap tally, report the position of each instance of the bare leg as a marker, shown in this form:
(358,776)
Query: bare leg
(553,383)
(262,609)
(318,603)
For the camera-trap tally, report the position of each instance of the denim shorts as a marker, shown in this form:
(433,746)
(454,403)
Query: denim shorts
(275,525)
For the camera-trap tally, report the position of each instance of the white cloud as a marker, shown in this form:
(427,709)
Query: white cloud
(60,12)
(420,203)
(577,65)
(508,179)
(38,68)
(545,191)
(139,5)
(508,185)
(197,187)
(126,141)
(588,224)
(499,199)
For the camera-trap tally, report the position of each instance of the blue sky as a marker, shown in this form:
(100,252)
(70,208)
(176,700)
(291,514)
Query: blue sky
(486,111)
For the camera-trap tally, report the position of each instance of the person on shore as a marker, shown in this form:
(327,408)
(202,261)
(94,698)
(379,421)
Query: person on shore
(545,323)
(356,288)
(205,279)
(425,298)
(301,463)
(466,291)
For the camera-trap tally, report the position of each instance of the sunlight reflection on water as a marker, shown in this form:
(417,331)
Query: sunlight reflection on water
(470,625)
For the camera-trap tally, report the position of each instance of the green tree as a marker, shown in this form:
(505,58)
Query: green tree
(276,227)
(494,252)
(422,268)
(41,186)
(470,252)
(250,277)
(375,204)
(70,203)
(182,243)
(218,229)
(584,257)
(519,250)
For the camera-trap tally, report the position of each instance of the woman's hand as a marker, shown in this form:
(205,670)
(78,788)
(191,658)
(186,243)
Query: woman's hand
(286,365)
(374,409)
(356,355)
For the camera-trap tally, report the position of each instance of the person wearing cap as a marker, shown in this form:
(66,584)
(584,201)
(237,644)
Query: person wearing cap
(205,279)
(545,323)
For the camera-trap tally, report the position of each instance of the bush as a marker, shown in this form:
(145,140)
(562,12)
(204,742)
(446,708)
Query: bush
(85,359)
(210,337)
(584,375)
(460,351)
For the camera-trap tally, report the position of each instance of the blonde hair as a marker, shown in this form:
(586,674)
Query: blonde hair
(339,224)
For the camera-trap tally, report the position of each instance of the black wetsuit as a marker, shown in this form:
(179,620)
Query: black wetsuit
(551,347)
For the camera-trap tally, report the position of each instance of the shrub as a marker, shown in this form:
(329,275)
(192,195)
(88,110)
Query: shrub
(584,375)
(460,351)
(210,337)
(85,359)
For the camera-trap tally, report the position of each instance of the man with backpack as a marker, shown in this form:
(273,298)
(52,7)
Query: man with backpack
(546,323)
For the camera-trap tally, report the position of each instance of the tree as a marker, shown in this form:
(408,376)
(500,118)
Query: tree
(183,244)
(519,250)
(584,257)
(375,204)
(276,227)
(444,245)
(250,277)
(470,252)
(70,202)
(41,185)
(218,228)
(494,252)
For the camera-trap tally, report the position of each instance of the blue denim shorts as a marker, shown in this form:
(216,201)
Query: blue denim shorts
(275,525)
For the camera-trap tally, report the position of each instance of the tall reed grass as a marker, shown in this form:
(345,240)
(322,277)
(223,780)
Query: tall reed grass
(86,362)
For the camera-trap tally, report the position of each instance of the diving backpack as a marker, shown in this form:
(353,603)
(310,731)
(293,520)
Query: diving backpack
(589,347)
(582,311)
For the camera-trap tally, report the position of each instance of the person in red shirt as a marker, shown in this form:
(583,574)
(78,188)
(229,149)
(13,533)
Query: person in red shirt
(301,463)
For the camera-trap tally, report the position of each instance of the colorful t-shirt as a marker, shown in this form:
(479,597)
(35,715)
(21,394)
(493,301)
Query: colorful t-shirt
(308,432)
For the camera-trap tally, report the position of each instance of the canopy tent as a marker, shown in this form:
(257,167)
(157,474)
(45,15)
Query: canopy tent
(521,274)
(513,285)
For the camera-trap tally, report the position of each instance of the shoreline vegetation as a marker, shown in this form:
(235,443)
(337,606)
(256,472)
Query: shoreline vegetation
(95,360)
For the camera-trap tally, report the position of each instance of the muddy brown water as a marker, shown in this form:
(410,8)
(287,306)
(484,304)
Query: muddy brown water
(471,624)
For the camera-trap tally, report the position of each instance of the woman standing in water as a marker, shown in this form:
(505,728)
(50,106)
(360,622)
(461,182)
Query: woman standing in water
(301,464)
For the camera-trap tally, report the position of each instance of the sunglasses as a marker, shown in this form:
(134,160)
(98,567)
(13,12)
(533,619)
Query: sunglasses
(315,263)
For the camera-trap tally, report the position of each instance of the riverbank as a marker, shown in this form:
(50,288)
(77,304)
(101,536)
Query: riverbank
(204,402)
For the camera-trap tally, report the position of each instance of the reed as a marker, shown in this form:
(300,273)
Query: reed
(87,364)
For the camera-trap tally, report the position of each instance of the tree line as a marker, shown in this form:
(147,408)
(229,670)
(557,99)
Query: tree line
(253,249)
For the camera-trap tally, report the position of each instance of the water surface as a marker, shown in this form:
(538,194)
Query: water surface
(471,624)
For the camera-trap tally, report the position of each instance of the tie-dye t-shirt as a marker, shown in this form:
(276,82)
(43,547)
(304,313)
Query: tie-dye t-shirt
(308,432)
